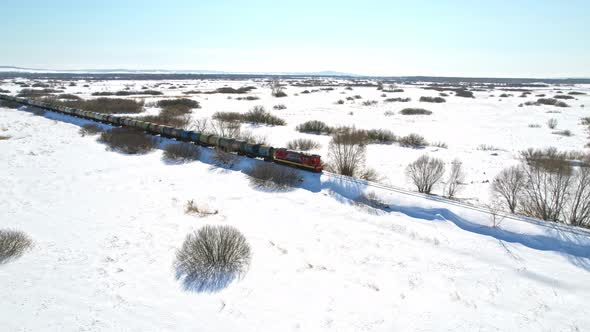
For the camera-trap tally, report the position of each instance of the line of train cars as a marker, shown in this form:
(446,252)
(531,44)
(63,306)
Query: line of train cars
(279,155)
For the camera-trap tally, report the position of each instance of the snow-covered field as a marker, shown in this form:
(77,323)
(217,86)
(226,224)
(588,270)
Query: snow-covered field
(106,226)
(464,124)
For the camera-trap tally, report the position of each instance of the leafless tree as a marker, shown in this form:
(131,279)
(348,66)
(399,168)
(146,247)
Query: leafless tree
(509,184)
(456,178)
(425,172)
(546,191)
(578,209)
(347,152)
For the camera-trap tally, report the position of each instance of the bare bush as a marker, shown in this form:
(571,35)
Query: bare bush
(425,173)
(303,144)
(279,107)
(277,90)
(566,133)
(347,152)
(268,175)
(393,100)
(90,129)
(167,120)
(181,151)
(175,111)
(314,127)
(415,111)
(228,116)
(382,136)
(440,144)
(128,140)
(107,105)
(369,102)
(212,257)
(183,102)
(13,244)
(552,123)
(412,140)
(258,115)
(552,102)
(456,178)
(432,99)
(224,128)
(10,104)
(223,158)
(509,184)
(534,125)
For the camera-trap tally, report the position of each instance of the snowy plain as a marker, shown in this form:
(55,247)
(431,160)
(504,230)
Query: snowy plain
(106,227)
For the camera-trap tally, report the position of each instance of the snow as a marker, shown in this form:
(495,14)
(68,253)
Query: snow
(106,227)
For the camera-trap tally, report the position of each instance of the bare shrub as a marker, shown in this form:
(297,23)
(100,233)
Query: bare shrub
(563,97)
(224,128)
(303,144)
(549,158)
(534,125)
(578,206)
(552,102)
(487,147)
(258,115)
(268,175)
(167,120)
(107,105)
(358,97)
(464,93)
(340,102)
(382,136)
(228,116)
(393,100)
(314,127)
(576,93)
(68,96)
(279,107)
(545,192)
(128,92)
(183,102)
(509,184)
(13,244)
(415,111)
(223,158)
(175,111)
(412,140)
(432,99)
(201,209)
(212,257)
(440,144)
(456,178)
(368,102)
(128,140)
(347,152)
(36,93)
(585,121)
(4,137)
(277,90)
(370,199)
(389,113)
(566,132)
(425,172)
(248,136)
(9,104)
(552,123)
(90,129)
(181,151)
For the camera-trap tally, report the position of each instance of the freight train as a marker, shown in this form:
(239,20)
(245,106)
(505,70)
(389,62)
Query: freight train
(310,162)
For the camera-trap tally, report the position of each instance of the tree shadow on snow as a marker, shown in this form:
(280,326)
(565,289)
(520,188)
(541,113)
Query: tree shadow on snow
(205,283)
(568,243)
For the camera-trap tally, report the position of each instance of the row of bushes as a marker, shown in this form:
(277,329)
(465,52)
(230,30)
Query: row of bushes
(127,93)
(372,136)
(257,115)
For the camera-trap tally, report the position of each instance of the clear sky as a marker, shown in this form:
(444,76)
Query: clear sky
(445,38)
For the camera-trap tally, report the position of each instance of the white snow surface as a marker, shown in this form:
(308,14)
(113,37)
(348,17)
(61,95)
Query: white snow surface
(106,227)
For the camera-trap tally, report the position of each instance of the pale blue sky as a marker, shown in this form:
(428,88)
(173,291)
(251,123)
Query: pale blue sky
(445,38)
